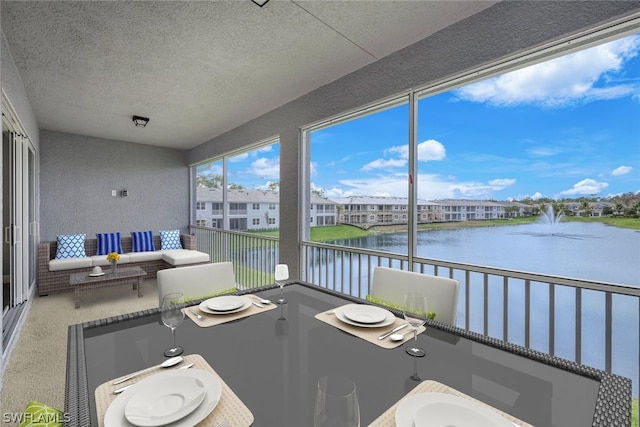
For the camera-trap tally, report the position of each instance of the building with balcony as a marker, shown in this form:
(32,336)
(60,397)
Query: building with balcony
(251,209)
(368,211)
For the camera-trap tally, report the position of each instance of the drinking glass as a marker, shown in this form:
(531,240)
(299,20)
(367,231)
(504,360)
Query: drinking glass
(415,313)
(172,316)
(336,403)
(281,274)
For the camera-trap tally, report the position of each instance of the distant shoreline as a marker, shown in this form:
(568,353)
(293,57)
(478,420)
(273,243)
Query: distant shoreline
(632,223)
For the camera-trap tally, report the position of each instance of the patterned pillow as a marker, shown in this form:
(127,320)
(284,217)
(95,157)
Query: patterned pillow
(70,246)
(142,241)
(41,415)
(109,242)
(170,239)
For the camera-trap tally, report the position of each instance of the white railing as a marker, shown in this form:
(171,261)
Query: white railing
(594,323)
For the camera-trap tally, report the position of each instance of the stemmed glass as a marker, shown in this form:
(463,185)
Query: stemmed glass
(281,274)
(336,403)
(172,317)
(415,313)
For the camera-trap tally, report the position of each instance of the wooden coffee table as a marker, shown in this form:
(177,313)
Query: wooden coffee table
(82,281)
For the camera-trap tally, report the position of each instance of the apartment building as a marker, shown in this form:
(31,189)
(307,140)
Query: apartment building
(371,210)
(251,209)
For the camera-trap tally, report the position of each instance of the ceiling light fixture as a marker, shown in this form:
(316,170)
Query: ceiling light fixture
(140,121)
(260,2)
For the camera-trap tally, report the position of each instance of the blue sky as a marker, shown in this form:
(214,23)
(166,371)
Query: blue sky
(568,127)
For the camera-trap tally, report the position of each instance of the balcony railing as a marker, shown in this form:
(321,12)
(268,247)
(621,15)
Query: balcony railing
(594,323)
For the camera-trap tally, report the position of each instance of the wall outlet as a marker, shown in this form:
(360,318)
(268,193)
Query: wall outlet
(114,193)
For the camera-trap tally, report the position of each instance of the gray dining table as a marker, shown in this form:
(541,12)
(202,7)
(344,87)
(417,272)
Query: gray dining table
(273,360)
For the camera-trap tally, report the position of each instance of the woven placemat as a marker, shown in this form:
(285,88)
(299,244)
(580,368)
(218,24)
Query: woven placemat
(229,408)
(368,334)
(217,319)
(388,418)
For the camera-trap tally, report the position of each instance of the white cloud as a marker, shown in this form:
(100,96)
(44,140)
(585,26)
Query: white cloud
(544,151)
(239,158)
(428,150)
(383,164)
(561,81)
(622,170)
(586,186)
(430,187)
(266,168)
(502,183)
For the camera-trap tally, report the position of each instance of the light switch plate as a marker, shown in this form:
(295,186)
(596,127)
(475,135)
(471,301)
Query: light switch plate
(114,193)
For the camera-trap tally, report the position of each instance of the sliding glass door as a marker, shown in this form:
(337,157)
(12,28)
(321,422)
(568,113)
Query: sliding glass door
(20,226)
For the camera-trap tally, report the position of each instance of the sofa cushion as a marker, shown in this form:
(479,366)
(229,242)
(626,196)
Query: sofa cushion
(142,241)
(101,260)
(109,242)
(144,256)
(69,263)
(184,256)
(70,246)
(170,239)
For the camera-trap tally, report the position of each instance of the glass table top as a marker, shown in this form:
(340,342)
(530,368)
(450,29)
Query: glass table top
(273,361)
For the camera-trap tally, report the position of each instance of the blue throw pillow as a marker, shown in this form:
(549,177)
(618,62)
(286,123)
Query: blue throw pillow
(109,242)
(170,239)
(142,241)
(70,246)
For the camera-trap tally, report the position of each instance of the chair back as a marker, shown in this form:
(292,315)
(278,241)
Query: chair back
(196,281)
(390,285)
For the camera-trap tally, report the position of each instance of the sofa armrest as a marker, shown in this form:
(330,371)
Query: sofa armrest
(44,251)
(189,241)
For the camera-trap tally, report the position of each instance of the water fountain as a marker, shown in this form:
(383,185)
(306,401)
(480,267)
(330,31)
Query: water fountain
(550,225)
(549,217)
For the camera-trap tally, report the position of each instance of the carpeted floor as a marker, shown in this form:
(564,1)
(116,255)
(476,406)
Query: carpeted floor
(37,365)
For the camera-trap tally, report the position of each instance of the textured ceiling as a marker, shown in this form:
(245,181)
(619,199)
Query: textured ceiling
(198,68)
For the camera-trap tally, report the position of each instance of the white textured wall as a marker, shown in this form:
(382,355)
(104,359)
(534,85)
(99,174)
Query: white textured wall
(77,174)
(502,30)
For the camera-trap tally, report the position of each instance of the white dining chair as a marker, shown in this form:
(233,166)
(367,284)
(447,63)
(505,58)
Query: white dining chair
(390,285)
(197,281)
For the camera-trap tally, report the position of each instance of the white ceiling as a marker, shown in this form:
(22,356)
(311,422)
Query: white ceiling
(198,68)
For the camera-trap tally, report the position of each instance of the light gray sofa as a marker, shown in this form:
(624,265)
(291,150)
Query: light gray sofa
(53,274)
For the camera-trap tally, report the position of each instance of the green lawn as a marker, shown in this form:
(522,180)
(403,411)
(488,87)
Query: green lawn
(633,223)
(634,413)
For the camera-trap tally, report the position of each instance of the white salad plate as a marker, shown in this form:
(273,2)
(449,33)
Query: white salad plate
(387,320)
(225,303)
(161,401)
(164,381)
(229,304)
(443,410)
(363,313)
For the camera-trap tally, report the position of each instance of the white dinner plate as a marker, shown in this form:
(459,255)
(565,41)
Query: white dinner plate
(160,401)
(363,313)
(389,319)
(246,303)
(225,303)
(115,416)
(440,410)
(96,274)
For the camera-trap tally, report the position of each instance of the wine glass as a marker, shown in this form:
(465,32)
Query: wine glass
(281,274)
(415,313)
(336,403)
(172,316)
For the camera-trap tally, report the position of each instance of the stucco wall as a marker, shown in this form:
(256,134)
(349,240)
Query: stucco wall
(78,173)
